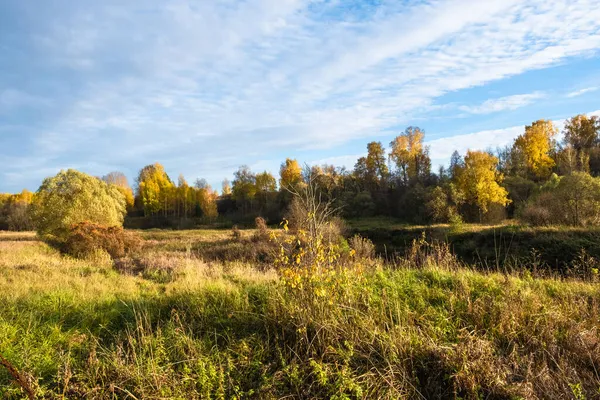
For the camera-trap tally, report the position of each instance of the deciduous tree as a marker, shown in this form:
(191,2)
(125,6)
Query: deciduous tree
(410,155)
(480,180)
(290,174)
(120,181)
(72,197)
(155,189)
(536,145)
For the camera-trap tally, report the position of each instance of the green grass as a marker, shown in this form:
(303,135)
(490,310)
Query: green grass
(226,330)
(555,250)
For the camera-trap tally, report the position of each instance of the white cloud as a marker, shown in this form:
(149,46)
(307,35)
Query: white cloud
(440,150)
(582,92)
(200,83)
(503,103)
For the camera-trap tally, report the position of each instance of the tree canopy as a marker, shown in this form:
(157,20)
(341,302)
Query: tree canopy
(73,197)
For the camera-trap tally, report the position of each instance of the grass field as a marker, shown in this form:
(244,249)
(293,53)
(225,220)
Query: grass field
(188,324)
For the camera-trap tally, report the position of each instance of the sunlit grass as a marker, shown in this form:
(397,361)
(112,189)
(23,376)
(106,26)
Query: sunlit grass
(229,330)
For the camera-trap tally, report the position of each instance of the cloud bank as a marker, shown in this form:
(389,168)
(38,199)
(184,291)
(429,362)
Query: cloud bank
(206,86)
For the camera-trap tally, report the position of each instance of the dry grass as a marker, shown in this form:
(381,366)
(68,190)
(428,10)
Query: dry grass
(173,325)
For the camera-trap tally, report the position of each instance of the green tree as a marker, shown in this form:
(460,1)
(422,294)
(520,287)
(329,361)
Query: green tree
(72,197)
(265,182)
(372,169)
(244,186)
(581,134)
(444,203)
(578,196)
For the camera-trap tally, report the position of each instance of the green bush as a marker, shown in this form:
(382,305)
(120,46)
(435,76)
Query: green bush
(72,197)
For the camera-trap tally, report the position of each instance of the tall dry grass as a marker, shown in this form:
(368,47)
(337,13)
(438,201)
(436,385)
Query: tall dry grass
(426,328)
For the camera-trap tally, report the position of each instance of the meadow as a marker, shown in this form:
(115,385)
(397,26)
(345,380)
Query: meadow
(196,317)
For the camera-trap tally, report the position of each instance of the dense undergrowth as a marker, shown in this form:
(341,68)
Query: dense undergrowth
(184,327)
(560,251)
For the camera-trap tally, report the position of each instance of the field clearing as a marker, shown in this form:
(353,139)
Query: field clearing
(189,327)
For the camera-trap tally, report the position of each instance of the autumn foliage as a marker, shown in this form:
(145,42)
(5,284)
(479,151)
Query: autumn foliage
(86,238)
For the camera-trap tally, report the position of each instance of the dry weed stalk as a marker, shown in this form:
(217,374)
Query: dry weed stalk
(21,379)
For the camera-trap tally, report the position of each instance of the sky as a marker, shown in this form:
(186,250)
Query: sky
(205,86)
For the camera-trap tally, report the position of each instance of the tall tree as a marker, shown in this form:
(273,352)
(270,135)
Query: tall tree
(122,184)
(290,174)
(266,182)
(225,187)
(372,169)
(581,133)
(155,190)
(410,155)
(244,186)
(184,196)
(480,180)
(201,183)
(456,162)
(536,144)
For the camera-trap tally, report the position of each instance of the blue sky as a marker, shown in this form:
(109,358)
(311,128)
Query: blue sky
(205,86)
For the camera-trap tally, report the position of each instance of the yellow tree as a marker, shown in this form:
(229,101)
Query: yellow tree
(410,155)
(206,202)
(290,174)
(536,144)
(155,189)
(479,180)
(183,196)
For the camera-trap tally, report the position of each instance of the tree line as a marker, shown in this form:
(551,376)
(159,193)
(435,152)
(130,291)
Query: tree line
(537,178)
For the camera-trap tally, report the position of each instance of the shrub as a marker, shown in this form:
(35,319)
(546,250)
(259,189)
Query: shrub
(363,247)
(18,218)
(236,233)
(262,231)
(537,212)
(72,197)
(86,238)
(573,200)
(158,268)
(296,214)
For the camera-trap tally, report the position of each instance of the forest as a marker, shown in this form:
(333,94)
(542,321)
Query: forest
(539,180)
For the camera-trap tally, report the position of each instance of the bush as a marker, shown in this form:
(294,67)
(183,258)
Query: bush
(18,218)
(296,215)
(87,238)
(72,197)
(262,231)
(363,247)
(572,200)
(156,267)
(537,212)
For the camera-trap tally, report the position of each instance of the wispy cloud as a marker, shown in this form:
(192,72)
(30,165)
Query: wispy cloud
(206,86)
(503,103)
(582,92)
